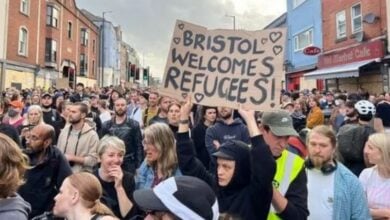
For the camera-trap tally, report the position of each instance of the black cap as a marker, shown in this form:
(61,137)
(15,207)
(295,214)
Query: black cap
(176,195)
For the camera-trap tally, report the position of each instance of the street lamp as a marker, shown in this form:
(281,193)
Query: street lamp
(103,49)
(234,20)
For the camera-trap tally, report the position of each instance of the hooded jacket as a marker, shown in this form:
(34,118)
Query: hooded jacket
(222,133)
(14,208)
(249,193)
(82,144)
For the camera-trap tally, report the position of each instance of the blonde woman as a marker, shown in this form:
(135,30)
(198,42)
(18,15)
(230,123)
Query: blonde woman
(34,117)
(118,185)
(160,157)
(376,179)
(13,164)
(79,198)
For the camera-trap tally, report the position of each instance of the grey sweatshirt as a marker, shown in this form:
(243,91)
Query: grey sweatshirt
(14,208)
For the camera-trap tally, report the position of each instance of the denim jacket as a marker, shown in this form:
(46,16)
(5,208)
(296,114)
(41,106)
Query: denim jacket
(350,201)
(145,176)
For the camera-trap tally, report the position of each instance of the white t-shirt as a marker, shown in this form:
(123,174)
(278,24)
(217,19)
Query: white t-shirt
(376,187)
(320,194)
(105,116)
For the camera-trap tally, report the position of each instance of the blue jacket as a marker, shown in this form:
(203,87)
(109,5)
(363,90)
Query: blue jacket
(350,201)
(145,176)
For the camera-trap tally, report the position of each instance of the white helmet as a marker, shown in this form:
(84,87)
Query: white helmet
(365,107)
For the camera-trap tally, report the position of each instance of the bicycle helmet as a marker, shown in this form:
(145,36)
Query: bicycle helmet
(365,107)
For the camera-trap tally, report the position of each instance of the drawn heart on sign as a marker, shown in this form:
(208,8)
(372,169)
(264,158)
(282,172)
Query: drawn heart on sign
(184,95)
(275,36)
(176,40)
(264,41)
(277,49)
(181,26)
(199,97)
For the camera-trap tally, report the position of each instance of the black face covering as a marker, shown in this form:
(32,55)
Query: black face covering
(12,113)
(33,155)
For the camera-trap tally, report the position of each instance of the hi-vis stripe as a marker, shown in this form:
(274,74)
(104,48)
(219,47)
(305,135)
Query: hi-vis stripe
(288,166)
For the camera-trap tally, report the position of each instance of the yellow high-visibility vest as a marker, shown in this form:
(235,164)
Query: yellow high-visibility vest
(288,166)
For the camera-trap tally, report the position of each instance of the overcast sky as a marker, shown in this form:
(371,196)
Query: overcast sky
(147,25)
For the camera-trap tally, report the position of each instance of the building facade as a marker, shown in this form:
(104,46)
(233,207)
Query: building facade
(50,43)
(304,24)
(354,56)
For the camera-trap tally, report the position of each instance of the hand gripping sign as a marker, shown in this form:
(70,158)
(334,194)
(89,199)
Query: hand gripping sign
(225,67)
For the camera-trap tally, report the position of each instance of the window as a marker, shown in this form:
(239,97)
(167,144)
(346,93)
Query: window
(341,28)
(51,50)
(23,36)
(83,64)
(93,45)
(52,16)
(303,40)
(84,36)
(356,18)
(296,3)
(69,30)
(93,67)
(24,6)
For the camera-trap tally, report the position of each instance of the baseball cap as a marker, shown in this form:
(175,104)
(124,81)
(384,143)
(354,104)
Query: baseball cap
(46,94)
(228,150)
(17,104)
(279,122)
(176,195)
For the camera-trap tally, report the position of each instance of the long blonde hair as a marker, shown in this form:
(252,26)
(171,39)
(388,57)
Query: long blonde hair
(382,142)
(13,165)
(161,136)
(90,191)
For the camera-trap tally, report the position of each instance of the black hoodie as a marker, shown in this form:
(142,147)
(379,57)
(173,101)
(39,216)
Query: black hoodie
(249,193)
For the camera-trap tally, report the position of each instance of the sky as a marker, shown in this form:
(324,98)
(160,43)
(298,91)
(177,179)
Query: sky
(147,25)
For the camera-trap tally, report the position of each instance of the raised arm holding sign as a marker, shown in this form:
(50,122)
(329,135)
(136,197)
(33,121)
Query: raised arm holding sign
(225,67)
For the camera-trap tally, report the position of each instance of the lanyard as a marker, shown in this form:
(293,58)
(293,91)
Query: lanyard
(78,139)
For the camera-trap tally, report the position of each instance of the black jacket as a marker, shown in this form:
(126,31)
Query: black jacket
(44,180)
(130,132)
(249,193)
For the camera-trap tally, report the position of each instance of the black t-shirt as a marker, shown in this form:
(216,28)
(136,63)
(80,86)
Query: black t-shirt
(383,112)
(110,198)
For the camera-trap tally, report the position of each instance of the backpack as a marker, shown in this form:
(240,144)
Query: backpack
(351,140)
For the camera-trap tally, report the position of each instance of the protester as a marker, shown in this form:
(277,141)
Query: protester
(152,108)
(127,130)
(105,114)
(50,115)
(48,170)
(376,179)
(78,141)
(14,114)
(198,133)
(315,116)
(351,138)
(79,94)
(160,157)
(173,199)
(334,192)
(243,180)
(118,185)
(173,116)
(13,165)
(225,129)
(79,198)
(382,116)
(163,104)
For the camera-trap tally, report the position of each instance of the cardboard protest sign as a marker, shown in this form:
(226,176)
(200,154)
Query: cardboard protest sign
(62,83)
(225,67)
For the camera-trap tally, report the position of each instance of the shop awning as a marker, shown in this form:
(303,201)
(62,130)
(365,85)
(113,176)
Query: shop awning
(341,71)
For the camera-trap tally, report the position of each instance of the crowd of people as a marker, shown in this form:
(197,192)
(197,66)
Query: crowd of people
(127,153)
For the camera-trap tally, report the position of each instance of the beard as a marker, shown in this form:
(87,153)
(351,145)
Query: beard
(46,106)
(74,120)
(120,113)
(226,115)
(319,161)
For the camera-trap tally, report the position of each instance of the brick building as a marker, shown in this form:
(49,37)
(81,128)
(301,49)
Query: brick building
(354,37)
(49,40)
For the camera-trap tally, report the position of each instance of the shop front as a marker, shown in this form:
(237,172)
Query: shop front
(351,69)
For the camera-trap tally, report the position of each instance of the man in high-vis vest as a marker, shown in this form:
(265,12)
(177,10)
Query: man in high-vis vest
(289,199)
